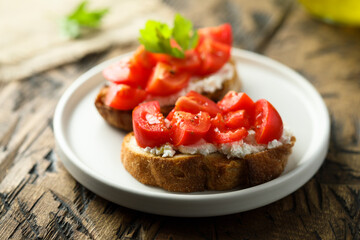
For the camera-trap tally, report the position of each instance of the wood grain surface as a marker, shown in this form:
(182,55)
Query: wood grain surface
(39,199)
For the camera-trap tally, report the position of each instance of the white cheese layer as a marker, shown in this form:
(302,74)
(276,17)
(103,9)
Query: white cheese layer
(201,147)
(248,145)
(208,84)
(166,150)
(237,149)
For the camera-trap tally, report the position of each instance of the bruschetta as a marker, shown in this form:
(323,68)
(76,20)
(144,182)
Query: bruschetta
(202,145)
(164,74)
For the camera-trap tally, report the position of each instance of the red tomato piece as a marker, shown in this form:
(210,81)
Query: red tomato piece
(213,56)
(218,136)
(237,119)
(220,133)
(194,102)
(124,97)
(166,80)
(222,33)
(190,63)
(218,122)
(234,101)
(268,123)
(144,58)
(161,57)
(127,72)
(187,128)
(149,125)
(170,115)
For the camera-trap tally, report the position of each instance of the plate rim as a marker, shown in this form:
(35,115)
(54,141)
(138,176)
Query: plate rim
(80,170)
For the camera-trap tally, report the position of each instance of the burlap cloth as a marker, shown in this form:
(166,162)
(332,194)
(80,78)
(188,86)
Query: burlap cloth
(31,42)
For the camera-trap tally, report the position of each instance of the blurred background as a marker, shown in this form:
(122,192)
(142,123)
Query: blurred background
(32,38)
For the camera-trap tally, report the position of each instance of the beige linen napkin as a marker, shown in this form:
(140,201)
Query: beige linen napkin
(31,41)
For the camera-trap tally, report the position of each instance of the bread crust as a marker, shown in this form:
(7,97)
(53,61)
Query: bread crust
(123,119)
(114,117)
(192,173)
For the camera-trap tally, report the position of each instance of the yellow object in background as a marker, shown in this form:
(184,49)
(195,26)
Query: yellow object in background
(335,11)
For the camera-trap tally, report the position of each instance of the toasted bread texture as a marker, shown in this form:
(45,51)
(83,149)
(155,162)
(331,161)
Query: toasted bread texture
(192,173)
(123,119)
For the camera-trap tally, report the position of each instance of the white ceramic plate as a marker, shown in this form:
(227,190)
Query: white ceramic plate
(90,149)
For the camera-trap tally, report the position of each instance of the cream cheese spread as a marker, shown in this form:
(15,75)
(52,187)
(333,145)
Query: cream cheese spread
(237,149)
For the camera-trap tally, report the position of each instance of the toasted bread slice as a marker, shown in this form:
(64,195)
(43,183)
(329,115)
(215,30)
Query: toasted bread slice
(123,119)
(191,173)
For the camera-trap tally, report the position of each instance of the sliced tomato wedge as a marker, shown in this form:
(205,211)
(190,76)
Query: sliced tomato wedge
(149,125)
(268,123)
(234,101)
(127,72)
(213,56)
(220,133)
(222,33)
(190,63)
(187,128)
(218,136)
(237,119)
(166,80)
(171,114)
(144,58)
(124,97)
(161,57)
(218,122)
(194,102)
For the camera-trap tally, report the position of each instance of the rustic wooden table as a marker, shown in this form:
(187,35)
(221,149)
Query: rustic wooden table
(39,199)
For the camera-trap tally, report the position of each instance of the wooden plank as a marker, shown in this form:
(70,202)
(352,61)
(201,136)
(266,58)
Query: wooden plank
(39,199)
(329,59)
(328,56)
(253,22)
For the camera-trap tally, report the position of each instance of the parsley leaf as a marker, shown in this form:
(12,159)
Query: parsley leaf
(76,23)
(184,33)
(156,37)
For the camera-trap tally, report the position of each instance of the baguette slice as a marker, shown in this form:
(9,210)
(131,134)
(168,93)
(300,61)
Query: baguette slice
(123,119)
(192,173)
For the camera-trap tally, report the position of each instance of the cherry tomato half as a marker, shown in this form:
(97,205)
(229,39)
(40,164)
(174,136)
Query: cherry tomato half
(222,33)
(144,58)
(268,123)
(237,119)
(220,133)
(171,114)
(194,102)
(190,63)
(149,125)
(213,56)
(218,122)
(234,101)
(218,136)
(187,128)
(127,72)
(124,97)
(166,80)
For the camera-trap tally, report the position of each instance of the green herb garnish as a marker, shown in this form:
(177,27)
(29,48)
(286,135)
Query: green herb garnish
(156,37)
(81,20)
